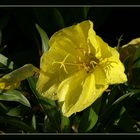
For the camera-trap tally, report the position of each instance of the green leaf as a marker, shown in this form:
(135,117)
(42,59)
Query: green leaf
(85,12)
(16,123)
(136,63)
(41,100)
(121,99)
(32,83)
(128,124)
(58,17)
(34,121)
(135,78)
(65,124)
(97,105)
(132,104)
(113,110)
(44,38)
(134,93)
(73,15)
(88,120)
(15,112)
(113,95)
(6,62)
(14,95)
(49,107)
(3,109)
(75,120)
(50,19)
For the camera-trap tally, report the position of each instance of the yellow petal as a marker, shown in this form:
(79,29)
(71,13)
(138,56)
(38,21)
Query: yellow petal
(100,75)
(52,72)
(110,71)
(78,92)
(71,42)
(70,84)
(44,87)
(77,40)
(13,79)
(73,97)
(106,50)
(78,67)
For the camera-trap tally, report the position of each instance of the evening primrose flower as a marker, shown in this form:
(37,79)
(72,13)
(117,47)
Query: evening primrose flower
(78,68)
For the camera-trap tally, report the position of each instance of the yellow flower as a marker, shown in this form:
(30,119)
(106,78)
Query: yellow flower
(12,80)
(78,68)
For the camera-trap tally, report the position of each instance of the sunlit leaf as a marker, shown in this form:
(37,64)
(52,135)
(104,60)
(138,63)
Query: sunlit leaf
(13,79)
(34,121)
(88,120)
(44,38)
(6,62)
(65,124)
(14,95)
(16,112)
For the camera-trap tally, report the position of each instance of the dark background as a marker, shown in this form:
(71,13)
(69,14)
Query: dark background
(19,34)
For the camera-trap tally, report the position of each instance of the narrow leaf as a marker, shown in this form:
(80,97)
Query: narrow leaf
(14,95)
(15,112)
(65,124)
(20,125)
(6,62)
(34,121)
(88,120)
(44,38)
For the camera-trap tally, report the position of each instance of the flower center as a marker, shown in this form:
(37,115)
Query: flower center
(87,66)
